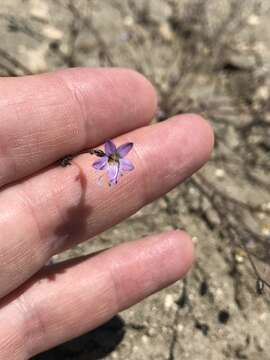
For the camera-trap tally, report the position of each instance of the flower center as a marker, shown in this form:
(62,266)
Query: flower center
(114,158)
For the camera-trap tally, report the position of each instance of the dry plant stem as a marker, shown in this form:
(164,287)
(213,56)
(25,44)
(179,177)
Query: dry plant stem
(66,160)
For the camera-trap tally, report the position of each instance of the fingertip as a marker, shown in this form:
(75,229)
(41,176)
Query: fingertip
(187,250)
(202,130)
(142,85)
(182,252)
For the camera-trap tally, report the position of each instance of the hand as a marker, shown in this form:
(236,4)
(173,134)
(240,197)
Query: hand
(45,208)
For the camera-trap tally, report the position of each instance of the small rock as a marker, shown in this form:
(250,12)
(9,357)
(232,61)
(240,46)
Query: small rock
(265,231)
(239,259)
(145,339)
(219,294)
(194,204)
(193,191)
(253,20)
(263,316)
(114,355)
(220,173)
(267,117)
(39,9)
(195,239)
(212,217)
(266,206)
(232,137)
(205,204)
(180,328)
(262,93)
(52,32)
(241,61)
(261,215)
(152,332)
(169,302)
(166,32)
(129,21)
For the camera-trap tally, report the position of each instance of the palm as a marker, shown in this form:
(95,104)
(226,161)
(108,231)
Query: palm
(45,208)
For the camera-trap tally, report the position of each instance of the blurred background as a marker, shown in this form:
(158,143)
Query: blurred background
(210,57)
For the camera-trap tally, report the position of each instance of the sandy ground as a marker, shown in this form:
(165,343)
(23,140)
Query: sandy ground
(209,57)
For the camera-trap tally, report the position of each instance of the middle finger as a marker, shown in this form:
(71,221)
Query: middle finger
(62,206)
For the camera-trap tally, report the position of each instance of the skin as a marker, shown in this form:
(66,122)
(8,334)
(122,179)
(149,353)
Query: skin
(46,208)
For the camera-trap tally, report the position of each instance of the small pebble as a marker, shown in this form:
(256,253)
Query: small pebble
(266,206)
(129,21)
(253,20)
(239,259)
(145,339)
(39,9)
(180,327)
(261,216)
(152,332)
(265,231)
(166,32)
(262,93)
(169,302)
(219,173)
(195,239)
(52,33)
(114,355)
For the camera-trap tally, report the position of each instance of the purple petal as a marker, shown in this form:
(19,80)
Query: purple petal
(110,148)
(101,163)
(126,165)
(113,173)
(124,149)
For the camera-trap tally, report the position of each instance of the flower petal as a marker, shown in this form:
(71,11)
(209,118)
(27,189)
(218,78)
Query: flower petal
(101,163)
(110,148)
(124,149)
(113,173)
(126,165)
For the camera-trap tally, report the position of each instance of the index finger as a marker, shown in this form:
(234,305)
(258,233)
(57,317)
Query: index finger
(44,117)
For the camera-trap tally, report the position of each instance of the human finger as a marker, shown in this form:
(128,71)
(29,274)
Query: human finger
(44,117)
(63,206)
(75,297)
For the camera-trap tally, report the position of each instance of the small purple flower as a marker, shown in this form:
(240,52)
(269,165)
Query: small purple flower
(113,160)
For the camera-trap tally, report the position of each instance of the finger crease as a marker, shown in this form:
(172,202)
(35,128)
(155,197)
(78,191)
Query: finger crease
(33,326)
(115,290)
(31,210)
(82,118)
